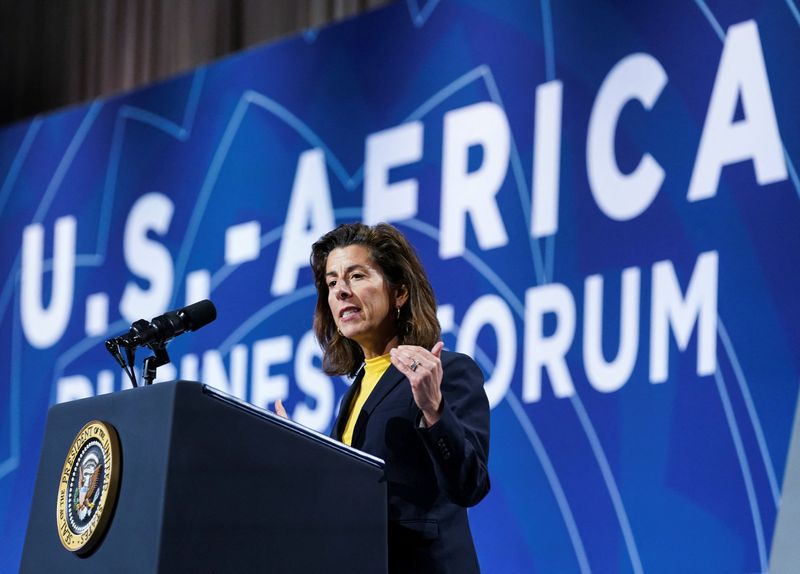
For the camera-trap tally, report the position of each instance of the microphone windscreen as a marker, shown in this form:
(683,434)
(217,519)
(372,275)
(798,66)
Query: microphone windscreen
(198,314)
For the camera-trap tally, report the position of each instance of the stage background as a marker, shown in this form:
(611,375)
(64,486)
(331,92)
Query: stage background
(605,197)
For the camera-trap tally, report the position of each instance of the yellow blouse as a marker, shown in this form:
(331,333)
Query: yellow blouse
(373,371)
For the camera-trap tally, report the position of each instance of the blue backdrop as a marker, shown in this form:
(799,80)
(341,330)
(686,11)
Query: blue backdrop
(605,196)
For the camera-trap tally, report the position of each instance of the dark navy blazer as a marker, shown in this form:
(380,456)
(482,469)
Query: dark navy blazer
(433,474)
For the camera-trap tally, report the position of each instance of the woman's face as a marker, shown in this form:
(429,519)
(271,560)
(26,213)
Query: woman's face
(360,299)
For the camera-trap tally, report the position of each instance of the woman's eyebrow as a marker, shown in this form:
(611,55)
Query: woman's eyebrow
(333,273)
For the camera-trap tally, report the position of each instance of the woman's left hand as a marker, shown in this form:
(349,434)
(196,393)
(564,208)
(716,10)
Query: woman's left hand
(423,369)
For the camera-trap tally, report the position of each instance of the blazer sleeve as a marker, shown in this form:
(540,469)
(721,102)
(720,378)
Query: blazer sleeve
(458,443)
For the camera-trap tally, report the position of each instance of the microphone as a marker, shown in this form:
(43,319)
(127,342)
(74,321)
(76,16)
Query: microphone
(156,334)
(166,327)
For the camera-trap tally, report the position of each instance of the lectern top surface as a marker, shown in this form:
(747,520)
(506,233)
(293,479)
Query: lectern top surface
(296,427)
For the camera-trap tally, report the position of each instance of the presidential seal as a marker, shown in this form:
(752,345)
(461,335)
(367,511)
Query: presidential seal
(88,486)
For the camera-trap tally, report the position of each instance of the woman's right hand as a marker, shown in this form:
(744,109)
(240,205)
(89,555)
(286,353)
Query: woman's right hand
(279,410)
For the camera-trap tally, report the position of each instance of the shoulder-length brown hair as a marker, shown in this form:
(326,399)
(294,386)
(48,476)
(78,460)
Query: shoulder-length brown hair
(401,268)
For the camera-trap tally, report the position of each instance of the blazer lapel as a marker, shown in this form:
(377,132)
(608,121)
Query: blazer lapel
(389,381)
(344,407)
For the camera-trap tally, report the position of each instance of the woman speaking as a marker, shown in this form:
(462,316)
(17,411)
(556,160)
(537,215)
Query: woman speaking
(421,409)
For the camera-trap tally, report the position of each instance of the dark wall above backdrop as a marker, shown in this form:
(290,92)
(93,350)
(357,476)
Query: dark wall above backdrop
(60,53)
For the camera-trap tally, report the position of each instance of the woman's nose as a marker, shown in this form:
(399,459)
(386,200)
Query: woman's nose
(344,291)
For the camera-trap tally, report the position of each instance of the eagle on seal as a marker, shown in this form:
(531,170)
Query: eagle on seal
(90,486)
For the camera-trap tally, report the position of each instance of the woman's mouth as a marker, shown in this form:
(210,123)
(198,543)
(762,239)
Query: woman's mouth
(348,312)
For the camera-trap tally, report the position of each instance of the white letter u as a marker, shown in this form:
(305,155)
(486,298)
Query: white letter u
(44,326)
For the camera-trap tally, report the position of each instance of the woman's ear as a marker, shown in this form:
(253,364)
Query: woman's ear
(400,296)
